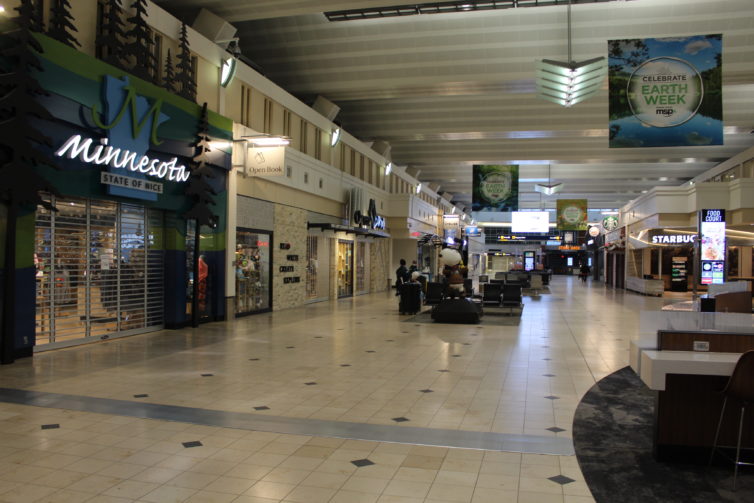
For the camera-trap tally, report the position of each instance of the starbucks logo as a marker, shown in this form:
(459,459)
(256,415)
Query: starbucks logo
(610,223)
(496,187)
(665,92)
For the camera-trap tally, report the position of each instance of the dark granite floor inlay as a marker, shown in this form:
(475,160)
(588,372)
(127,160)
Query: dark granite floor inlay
(548,375)
(50,426)
(310,383)
(613,428)
(193,443)
(263,407)
(555,429)
(345,365)
(561,479)
(552,397)
(253,359)
(207,375)
(143,395)
(426,391)
(401,419)
(361,462)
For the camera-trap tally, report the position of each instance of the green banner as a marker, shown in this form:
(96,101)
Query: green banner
(495,187)
(666,91)
(572,214)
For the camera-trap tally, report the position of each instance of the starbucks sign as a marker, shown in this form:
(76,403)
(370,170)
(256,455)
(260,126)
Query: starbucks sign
(665,92)
(610,223)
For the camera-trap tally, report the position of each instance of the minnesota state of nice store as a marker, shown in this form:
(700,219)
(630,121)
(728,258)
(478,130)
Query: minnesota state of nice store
(117,257)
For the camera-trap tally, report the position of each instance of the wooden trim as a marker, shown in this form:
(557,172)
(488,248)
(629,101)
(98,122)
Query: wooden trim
(719,342)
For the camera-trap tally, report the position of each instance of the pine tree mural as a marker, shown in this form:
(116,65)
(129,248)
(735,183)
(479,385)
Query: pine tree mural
(20,143)
(139,49)
(61,24)
(169,79)
(185,76)
(200,192)
(198,189)
(110,40)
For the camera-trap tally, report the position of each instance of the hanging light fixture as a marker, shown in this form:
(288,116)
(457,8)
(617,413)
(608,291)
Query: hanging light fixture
(569,82)
(548,188)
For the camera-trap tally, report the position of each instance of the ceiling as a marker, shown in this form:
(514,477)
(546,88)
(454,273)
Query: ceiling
(448,91)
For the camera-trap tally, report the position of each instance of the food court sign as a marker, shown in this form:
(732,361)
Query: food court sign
(666,91)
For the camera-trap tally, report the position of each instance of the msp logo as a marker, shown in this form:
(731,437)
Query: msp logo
(127,143)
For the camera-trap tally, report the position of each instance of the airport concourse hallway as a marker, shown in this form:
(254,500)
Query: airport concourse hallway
(345,402)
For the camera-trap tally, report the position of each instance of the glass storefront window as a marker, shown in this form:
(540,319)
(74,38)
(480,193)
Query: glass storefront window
(361,272)
(312,253)
(252,265)
(345,268)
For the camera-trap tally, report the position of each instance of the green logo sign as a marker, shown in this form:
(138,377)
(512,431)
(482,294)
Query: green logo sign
(665,92)
(610,223)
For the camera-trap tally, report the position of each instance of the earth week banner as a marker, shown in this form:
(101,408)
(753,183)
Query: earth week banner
(572,214)
(495,187)
(666,92)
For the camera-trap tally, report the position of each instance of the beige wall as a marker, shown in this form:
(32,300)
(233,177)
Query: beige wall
(290,227)
(264,189)
(379,262)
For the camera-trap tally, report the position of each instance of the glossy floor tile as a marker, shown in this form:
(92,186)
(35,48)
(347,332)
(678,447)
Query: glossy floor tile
(354,361)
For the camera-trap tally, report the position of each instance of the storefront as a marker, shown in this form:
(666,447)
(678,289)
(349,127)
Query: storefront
(253,271)
(111,250)
(344,268)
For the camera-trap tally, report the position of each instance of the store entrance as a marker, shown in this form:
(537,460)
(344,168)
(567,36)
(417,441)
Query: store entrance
(99,271)
(345,268)
(253,271)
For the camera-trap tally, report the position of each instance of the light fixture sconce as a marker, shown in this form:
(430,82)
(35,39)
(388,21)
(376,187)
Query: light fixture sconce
(228,71)
(453,211)
(388,168)
(334,137)
(418,187)
(268,141)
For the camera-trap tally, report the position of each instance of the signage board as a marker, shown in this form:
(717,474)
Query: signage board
(265,161)
(610,223)
(665,91)
(572,214)
(128,182)
(712,246)
(678,274)
(673,239)
(472,231)
(530,221)
(451,222)
(494,188)
(528,260)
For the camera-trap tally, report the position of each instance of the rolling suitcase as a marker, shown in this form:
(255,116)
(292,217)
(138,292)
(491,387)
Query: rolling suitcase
(410,302)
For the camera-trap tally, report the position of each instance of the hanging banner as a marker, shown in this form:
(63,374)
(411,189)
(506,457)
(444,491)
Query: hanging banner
(495,187)
(666,92)
(572,214)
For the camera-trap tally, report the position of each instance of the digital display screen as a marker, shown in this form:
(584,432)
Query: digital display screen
(528,260)
(570,261)
(530,221)
(712,248)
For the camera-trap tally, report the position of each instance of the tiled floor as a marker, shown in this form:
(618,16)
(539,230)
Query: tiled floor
(353,361)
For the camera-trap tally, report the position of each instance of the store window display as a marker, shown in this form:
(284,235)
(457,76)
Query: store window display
(252,266)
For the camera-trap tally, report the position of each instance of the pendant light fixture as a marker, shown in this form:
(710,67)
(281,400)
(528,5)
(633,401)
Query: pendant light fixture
(548,188)
(569,82)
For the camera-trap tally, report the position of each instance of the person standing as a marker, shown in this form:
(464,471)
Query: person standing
(401,276)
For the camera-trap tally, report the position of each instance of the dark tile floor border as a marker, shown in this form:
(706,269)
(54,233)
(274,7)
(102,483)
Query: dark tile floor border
(612,435)
(530,444)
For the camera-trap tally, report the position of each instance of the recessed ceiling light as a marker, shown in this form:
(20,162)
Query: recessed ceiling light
(663,178)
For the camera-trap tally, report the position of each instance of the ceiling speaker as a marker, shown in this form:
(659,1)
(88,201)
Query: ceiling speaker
(214,27)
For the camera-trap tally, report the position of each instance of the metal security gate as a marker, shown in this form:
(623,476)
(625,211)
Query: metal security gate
(99,269)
